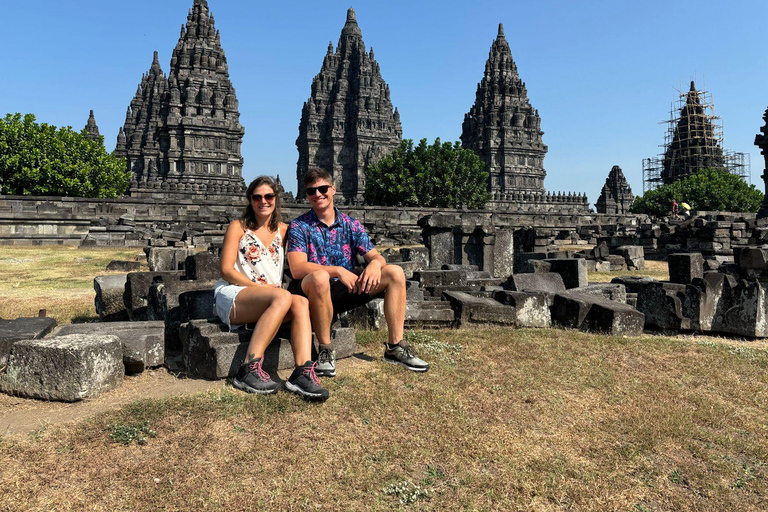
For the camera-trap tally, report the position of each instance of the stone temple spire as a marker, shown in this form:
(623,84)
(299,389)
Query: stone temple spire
(616,196)
(694,145)
(349,122)
(504,129)
(187,127)
(92,129)
(143,118)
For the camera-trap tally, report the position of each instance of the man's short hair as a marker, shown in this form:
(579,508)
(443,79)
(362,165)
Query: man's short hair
(317,173)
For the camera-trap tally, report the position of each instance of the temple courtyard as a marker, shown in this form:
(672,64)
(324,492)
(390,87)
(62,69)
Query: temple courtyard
(506,419)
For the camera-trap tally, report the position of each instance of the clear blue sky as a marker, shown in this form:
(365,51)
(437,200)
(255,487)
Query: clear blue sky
(603,74)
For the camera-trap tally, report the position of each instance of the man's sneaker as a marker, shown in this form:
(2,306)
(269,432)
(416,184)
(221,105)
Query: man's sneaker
(403,354)
(252,378)
(326,362)
(303,381)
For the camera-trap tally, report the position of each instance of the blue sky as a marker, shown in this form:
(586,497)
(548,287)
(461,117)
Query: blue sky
(603,74)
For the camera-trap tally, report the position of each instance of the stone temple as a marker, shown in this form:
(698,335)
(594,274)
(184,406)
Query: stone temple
(92,129)
(349,122)
(182,133)
(694,145)
(616,196)
(505,130)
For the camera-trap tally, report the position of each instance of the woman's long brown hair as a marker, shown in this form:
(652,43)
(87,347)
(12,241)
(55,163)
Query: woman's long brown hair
(249,216)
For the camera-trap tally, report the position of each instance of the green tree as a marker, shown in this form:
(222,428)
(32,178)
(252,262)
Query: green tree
(441,175)
(708,190)
(40,159)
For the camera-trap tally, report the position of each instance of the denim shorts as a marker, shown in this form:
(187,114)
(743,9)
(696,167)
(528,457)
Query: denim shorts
(224,295)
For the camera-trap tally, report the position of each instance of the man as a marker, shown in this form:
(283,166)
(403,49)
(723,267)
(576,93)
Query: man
(322,245)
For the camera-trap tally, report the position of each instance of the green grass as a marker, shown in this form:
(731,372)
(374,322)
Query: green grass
(504,420)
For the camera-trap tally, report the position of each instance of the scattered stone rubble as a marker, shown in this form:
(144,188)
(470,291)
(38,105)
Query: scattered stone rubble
(170,319)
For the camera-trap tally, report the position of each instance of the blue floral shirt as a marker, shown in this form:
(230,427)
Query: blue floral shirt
(334,245)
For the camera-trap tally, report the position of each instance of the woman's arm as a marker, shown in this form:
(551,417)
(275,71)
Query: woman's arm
(229,255)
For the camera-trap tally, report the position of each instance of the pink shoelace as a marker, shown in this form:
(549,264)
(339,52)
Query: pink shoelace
(309,371)
(255,367)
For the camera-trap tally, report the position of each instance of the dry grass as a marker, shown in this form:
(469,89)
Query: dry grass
(655,269)
(58,279)
(505,420)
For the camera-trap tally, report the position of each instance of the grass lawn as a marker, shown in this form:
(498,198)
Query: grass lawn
(506,419)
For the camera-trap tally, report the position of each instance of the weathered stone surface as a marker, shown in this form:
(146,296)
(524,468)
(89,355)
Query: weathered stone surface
(595,314)
(419,254)
(572,270)
(753,258)
(504,253)
(531,309)
(661,303)
(410,267)
(123,266)
(137,287)
(549,282)
(633,284)
(618,264)
(64,368)
(612,291)
(428,314)
(109,297)
(479,310)
(12,331)
(634,256)
(616,196)
(685,267)
(143,342)
(165,259)
(209,351)
(203,266)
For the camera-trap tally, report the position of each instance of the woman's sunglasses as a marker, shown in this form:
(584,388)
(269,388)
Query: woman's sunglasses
(268,197)
(322,188)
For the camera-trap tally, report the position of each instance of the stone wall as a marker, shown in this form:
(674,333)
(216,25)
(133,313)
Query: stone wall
(35,220)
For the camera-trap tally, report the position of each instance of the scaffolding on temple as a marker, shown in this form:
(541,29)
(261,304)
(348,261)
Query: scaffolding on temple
(693,141)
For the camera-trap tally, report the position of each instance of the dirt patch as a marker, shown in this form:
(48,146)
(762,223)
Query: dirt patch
(22,415)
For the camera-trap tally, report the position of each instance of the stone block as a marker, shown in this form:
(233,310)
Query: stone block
(203,266)
(595,314)
(611,291)
(753,258)
(428,314)
(618,264)
(64,368)
(143,342)
(137,287)
(417,254)
(531,309)
(662,305)
(470,309)
(12,331)
(685,267)
(572,270)
(549,282)
(633,284)
(165,259)
(602,266)
(503,254)
(410,267)
(109,297)
(210,352)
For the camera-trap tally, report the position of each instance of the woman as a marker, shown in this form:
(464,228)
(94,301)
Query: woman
(250,291)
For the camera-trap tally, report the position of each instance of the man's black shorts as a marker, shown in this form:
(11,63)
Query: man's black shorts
(340,297)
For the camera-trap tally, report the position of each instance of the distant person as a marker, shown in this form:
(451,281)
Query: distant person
(322,245)
(250,291)
(675,208)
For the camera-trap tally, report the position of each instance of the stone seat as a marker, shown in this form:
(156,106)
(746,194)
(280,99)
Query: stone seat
(211,352)
(596,314)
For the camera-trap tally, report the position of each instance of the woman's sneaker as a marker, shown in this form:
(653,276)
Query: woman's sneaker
(326,362)
(303,381)
(402,354)
(252,378)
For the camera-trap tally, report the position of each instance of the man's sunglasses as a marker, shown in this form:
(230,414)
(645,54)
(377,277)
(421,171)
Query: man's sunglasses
(322,188)
(268,197)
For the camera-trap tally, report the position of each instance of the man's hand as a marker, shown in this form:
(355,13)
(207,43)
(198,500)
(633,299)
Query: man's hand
(348,279)
(370,279)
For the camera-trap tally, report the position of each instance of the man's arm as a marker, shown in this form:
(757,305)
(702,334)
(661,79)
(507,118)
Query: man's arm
(300,268)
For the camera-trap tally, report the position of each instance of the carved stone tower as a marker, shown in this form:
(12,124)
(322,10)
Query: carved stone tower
(761,141)
(505,130)
(348,123)
(92,129)
(694,145)
(182,135)
(616,196)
